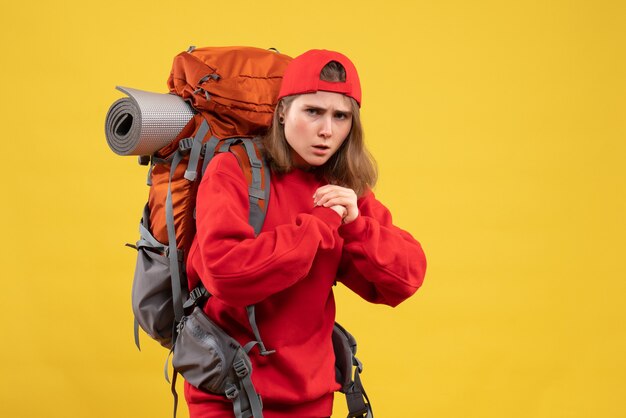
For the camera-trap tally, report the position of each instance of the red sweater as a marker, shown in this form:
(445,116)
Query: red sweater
(288,272)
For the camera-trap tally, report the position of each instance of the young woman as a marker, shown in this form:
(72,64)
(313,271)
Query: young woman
(323,225)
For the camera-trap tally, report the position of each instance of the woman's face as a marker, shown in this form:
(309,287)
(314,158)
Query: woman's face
(316,125)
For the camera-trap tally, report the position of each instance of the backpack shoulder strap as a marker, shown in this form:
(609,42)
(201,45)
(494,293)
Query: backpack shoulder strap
(257,175)
(344,345)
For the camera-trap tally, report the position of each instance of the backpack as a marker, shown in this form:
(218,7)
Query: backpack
(233,90)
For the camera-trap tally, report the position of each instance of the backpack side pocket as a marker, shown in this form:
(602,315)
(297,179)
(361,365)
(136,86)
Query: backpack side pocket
(152,287)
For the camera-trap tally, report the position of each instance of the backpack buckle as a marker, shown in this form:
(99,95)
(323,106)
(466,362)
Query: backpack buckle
(196,294)
(240,368)
(185,144)
(231,392)
(181,325)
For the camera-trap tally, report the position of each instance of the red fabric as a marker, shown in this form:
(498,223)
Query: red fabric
(303,75)
(288,272)
(241,84)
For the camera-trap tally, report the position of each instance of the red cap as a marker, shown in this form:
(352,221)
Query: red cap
(303,75)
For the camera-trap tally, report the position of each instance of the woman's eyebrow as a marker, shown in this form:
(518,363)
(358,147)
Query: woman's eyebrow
(317,107)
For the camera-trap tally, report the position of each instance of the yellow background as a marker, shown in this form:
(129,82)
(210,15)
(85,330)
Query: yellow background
(499,129)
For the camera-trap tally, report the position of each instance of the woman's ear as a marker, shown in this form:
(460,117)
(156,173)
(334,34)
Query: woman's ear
(281,110)
(281,113)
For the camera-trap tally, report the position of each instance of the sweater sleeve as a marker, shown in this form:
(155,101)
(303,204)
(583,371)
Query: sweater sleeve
(380,262)
(233,264)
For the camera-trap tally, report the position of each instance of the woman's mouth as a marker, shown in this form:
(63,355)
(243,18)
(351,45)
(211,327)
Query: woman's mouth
(320,149)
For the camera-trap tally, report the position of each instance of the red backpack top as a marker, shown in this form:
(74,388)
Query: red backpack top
(235,90)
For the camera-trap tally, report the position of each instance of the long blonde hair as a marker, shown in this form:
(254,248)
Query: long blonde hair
(351,166)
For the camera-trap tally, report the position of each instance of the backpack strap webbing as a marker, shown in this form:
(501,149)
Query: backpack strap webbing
(177,296)
(345,347)
(245,399)
(209,152)
(194,156)
(359,405)
(258,178)
(255,170)
(173,389)
(255,190)
(172,252)
(255,329)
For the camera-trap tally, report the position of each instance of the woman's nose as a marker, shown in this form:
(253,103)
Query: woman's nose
(326,128)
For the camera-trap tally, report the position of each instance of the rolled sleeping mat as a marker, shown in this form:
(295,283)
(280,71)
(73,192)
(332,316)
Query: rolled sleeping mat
(144,122)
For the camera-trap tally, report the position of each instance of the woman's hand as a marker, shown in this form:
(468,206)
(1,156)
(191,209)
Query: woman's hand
(340,199)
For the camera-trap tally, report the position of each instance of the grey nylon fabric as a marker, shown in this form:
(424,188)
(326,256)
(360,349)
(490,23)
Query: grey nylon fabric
(152,309)
(209,152)
(344,345)
(144,122)
(207,358)
(359,404)
(256,215)
(175,268)
(255,163)
(255,329)
(194,156)
(151,292)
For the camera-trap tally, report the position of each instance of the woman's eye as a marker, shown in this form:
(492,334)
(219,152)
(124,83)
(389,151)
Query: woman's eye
(341,116)
(311,111)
